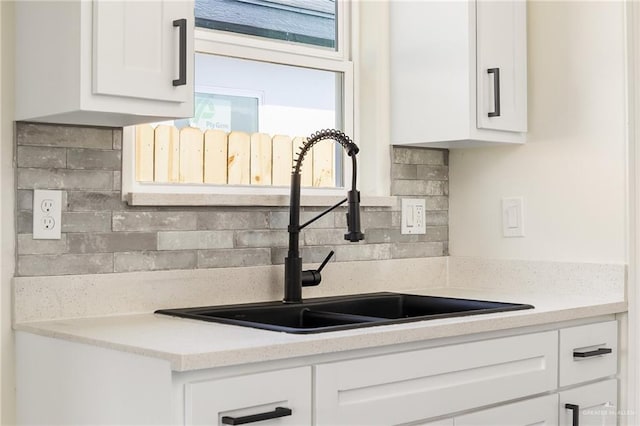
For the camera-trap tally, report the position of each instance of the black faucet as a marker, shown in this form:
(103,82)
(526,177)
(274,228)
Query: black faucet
(294,277)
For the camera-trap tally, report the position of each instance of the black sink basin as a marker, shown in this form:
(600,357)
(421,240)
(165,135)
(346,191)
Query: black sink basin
(343,312)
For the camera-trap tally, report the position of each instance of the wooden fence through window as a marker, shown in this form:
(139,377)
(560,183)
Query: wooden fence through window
(170,155)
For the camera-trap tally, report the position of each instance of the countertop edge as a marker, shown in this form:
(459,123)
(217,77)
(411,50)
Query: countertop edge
(397,334)
(342,340)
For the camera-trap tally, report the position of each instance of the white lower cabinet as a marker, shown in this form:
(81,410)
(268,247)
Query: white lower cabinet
(594,404)
(512,380)
(409,386)
(280,397)
(588,352)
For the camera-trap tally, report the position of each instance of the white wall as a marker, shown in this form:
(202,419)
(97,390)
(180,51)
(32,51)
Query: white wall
(7,231)
(571,171)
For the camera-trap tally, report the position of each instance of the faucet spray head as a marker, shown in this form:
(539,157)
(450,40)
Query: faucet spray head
(354,233)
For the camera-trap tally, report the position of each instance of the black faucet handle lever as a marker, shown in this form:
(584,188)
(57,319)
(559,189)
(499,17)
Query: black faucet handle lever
(312,277)
(326,260)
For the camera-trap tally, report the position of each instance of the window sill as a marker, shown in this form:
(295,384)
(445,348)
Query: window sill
(246,200)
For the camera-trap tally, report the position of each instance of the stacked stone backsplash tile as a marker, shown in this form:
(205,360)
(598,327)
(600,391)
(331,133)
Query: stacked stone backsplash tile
(102,234)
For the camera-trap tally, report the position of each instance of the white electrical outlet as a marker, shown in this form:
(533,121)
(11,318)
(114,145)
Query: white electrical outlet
(47,205)
(413,216)
(47,214)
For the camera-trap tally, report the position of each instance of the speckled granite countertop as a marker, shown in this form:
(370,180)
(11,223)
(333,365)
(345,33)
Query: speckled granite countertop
(191,345)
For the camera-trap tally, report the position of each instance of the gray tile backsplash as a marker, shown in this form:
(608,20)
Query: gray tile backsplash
(102,234)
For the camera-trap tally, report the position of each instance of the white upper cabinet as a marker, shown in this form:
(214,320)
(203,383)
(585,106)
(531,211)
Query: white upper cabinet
(112,63)
(458,72)
(136,54)
(501,48)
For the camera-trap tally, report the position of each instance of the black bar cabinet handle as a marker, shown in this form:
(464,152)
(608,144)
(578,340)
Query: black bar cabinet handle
(575,413)
(600,351)
(278,412)
(496,91)
(182,55)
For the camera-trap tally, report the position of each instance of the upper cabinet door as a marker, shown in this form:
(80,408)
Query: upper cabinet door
(441,91)
(138,47)
(501,48)
(103,62)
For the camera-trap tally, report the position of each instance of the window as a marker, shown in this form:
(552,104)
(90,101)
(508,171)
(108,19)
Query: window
(280,68)
(303,21)
(291,100)
(221,109)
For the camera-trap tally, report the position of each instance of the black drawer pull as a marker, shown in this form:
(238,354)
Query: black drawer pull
(278,412)
(576,413)
(600,351)
(182,54)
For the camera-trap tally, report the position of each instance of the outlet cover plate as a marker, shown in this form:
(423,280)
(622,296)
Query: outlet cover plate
(413,216)
(513,217)
(47,214)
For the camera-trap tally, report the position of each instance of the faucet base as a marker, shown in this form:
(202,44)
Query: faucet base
(292,280)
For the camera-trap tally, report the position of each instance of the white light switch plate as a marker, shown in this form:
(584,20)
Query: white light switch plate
(513,217)
(47,215)
(413,216)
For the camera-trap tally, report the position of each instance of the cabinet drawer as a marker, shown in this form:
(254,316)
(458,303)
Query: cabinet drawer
(208,402)
(443,422)
(594,404)
(588,352)
(412,386)
(541,411)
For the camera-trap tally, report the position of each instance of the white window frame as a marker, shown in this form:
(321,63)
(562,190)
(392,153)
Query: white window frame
(339,60)
(265,50)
